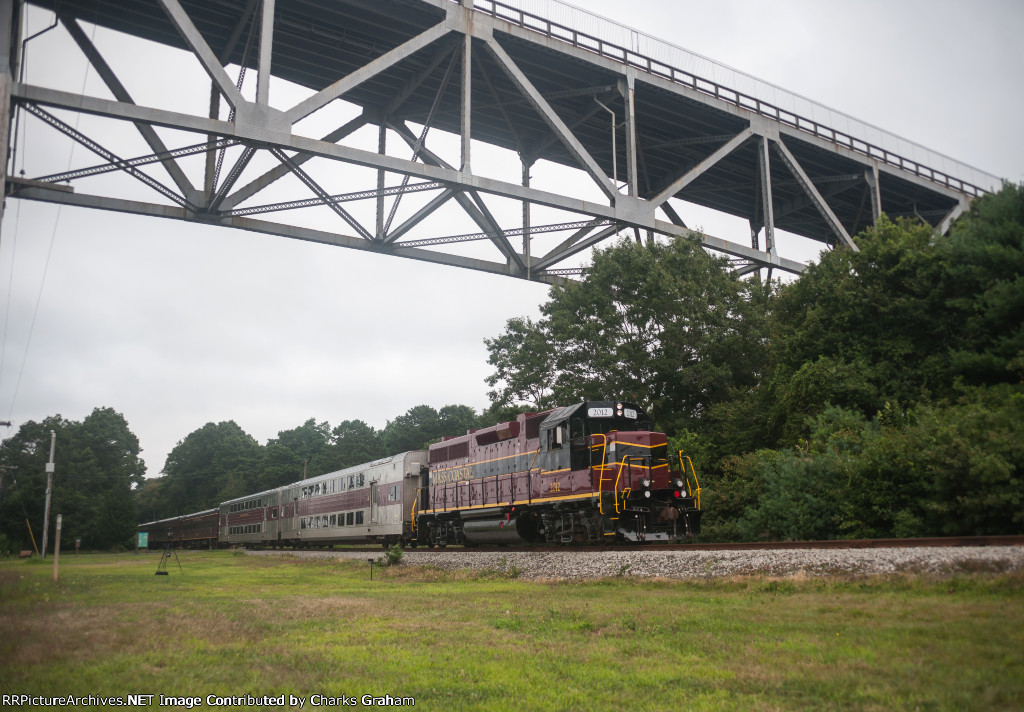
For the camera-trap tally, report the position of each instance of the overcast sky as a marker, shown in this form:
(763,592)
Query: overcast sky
(176,325)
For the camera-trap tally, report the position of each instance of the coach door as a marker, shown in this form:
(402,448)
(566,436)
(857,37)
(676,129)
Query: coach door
(373,503)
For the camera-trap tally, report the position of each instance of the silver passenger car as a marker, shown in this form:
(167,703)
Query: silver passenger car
(368,502)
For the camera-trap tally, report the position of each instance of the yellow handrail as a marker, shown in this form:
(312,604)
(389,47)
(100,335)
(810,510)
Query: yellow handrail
(601,467)
(686,477)
(625,460)
(415,505)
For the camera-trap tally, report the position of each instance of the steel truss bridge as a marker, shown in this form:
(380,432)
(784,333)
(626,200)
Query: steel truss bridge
(647,134)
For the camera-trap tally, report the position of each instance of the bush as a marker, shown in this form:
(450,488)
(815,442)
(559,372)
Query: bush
(392,556)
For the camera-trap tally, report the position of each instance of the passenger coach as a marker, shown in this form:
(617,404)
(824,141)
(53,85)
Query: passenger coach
(368,502)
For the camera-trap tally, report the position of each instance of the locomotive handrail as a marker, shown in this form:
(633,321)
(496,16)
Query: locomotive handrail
(686,477)
(625,463)
(415,505)
(601,468)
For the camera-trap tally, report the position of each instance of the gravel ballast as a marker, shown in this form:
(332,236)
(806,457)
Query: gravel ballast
(710,564)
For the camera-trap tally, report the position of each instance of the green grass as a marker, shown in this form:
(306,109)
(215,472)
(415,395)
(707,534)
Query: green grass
(233,624)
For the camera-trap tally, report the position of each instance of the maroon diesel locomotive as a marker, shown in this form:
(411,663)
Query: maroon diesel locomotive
(585,473)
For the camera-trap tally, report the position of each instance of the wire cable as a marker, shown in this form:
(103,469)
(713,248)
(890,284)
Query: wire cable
(49,252)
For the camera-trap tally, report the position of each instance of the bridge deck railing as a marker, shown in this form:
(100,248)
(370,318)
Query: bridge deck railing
(663,59)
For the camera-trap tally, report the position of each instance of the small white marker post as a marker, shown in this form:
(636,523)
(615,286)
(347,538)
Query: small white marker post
(56,551)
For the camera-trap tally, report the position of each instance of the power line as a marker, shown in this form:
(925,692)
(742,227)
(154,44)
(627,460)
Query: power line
(49,252)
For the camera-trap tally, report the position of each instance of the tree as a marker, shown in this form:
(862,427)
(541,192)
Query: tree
(287,457)
(98,463)
(217,462)
(523,359)
(353,442)
(422,425)
(661,325)
(983,285)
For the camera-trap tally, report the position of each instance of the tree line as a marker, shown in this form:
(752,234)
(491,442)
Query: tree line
(880,394)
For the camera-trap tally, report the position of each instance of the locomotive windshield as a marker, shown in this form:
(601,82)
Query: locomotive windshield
(577,422)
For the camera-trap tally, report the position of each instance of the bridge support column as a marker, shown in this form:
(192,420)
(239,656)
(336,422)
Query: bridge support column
(626,87)
(9,46)
(871,176)
(467,97)
(382,145)
(527,164)
(764,174)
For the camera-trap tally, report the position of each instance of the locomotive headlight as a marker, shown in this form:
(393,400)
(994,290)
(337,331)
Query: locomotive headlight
(645,483)
(678,483)
(647,494)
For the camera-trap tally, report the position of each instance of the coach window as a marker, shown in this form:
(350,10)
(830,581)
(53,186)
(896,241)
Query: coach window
(394,494)
(359,517)
(351,481)
(348,518)
(273,513)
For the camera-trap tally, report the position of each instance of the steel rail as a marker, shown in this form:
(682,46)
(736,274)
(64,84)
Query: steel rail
(938,542)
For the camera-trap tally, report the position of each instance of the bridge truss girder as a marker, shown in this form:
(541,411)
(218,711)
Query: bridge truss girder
(475,45)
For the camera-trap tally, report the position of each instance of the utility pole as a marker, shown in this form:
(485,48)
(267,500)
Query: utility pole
(49,489)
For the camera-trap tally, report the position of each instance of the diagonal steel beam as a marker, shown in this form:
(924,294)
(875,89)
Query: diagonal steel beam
(202,51)
(212,167)
(482,72)
(576,236)
(131,170)
(947,221)
(137,161)
(667,208)
(812,192)
(550,259)
(475,236)
(320,193)
(229,180)
(552,139)
(419,216)
(121,94)
(382,63)
(552,119)
(340,198)
(702,167)
(802,201)
(280,171)
(469,200)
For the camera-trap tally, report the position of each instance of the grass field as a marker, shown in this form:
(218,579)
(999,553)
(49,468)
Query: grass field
(234,625)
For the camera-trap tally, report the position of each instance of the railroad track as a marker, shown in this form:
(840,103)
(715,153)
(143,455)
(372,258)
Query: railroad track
(1005,540)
